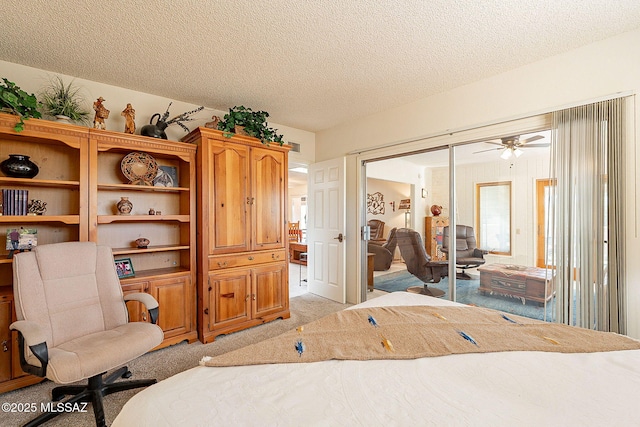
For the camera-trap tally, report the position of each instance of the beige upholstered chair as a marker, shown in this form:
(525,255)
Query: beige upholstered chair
(419,262)
(73,319)
(467,254)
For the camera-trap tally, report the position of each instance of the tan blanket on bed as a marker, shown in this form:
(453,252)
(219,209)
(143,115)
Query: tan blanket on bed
(419,331)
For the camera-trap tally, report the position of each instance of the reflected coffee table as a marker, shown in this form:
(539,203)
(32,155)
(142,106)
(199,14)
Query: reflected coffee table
(525,283)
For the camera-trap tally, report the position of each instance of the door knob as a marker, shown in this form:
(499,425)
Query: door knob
(340,238)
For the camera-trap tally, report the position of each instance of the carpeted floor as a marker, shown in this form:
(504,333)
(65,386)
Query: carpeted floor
(166,362)
(466,292)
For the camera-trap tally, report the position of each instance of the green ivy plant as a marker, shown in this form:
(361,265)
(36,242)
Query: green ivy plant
(17,101)
(254,122)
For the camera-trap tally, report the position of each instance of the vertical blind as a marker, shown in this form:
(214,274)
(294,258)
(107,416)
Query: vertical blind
(587,215)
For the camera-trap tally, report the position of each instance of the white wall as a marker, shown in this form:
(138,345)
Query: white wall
(392,192)
(116,98)
(400,170)
(575,77)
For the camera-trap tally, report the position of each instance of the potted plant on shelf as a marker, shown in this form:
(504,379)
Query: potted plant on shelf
(16,101)
(64,102)
(253,123)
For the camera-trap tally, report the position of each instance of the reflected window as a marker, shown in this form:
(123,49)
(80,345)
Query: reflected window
(493,208)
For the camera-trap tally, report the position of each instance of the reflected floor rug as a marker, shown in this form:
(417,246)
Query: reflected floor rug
(467,293)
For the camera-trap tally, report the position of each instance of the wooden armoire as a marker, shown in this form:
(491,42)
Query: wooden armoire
(241,234)
(433,234)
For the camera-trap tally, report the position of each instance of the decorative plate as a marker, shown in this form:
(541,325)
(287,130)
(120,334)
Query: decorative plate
(139,168)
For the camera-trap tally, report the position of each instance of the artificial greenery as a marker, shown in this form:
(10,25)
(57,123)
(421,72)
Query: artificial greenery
(60,99)
(18,102)
(254,122)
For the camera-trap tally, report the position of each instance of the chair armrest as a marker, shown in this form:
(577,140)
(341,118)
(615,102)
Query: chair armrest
(439,269)
(34,336)
(32,332)
(149,302)
(436,264)
(479,253)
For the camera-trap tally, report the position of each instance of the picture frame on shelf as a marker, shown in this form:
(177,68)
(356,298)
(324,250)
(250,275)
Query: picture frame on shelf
(167,177)
(21,239)
(124,268)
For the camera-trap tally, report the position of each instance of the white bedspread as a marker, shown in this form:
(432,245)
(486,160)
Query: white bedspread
(486,389)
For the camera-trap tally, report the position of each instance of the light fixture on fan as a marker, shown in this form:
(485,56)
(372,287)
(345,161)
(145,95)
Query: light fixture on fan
(513,145)
(508,152)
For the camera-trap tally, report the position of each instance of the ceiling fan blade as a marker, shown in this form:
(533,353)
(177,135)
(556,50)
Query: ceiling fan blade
(490,149)
(541,145)
(531,139)
(494,142)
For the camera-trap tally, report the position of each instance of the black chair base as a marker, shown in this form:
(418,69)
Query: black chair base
(462,275)
(424,290)
(91,392)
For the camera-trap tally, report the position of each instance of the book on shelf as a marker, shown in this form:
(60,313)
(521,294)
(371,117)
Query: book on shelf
(14,202)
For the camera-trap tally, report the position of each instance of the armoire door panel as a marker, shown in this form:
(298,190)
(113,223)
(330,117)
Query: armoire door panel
(268,171)
(269,293)
(229,198)
(231,297)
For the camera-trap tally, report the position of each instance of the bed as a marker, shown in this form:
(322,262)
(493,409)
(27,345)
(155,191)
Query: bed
(525,388)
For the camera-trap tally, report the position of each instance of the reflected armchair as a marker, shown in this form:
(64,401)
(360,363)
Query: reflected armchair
(376,230)
(419,262)
(73,323)
(467,254)
(383,254)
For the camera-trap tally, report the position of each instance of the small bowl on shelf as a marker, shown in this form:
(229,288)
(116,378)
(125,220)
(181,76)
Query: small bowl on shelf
(142,243)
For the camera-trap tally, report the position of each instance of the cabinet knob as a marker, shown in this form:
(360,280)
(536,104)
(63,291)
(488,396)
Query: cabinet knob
(251,258)
(5,347)
(222,264)
(254,297)
(206,311)
(275,256)
(144,316)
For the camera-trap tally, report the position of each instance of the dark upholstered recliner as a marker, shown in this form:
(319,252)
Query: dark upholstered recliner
(376,230)
(73,323)
(383,254)
(419,262)
(467,254)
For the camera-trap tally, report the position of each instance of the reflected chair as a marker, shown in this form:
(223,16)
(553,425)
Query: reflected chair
(383,254)
(419,263)
(295,234)
(376,231)
(73,323)
(467,254)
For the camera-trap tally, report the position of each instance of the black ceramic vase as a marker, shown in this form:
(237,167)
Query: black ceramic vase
(154,131)
(19,166)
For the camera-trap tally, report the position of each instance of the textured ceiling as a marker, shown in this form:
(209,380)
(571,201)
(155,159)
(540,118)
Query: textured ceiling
(310,64)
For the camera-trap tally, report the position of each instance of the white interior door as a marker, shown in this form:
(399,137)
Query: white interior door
(325,230)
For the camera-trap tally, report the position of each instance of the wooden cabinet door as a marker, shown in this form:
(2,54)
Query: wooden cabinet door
(173,295)
(270,290)
(6,309)
(137,311)
(229,297)
(268,170)
(229,199)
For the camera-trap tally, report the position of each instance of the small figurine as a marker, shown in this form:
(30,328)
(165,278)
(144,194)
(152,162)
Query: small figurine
(37,207)
(101,114)
(214,123)
(129,115)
